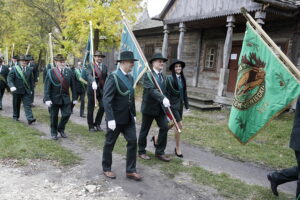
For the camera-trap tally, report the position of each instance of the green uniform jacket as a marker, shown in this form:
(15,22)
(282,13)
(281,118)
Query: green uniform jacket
(173,95)
(118,107)
(152,98)
(54,91)
(3,76)
(45,71)
(100,83)
(14,79)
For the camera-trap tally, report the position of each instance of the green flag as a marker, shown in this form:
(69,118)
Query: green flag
(264,87)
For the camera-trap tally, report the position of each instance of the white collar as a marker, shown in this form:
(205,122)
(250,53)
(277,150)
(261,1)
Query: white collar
(157,72)
(178,76)
(123,71)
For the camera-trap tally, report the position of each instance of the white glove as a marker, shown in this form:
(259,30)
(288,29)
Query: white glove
(166,102)
(112,124)
(134,119)
(12,89)
(48,103)
(94,85)
(75,102)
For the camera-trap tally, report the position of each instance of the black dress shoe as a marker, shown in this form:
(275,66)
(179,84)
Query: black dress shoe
(178,155)
(0,108)
(83,116)
(153,140)
(31,121)
(92,130)
(54,137)
(98,128)
(62,134)
(273,184)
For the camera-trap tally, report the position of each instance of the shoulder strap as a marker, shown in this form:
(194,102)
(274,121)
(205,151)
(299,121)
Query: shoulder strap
(20,72)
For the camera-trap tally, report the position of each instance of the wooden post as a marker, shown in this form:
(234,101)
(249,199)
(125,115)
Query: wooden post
(226,55)
(51,50)
(181,38)
(260,17)
(165,41)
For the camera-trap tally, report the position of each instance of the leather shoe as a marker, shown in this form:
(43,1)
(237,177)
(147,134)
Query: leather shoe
(98,128)
(144,156)
(163,158)
(178,155)
(109,174)
(0,108)
(134,176)
(83,116)
(92,130)
(31,121)
(54,137)
(273,184)
(62,134)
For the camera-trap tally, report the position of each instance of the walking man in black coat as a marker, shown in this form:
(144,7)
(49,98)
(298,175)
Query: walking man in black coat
(119,105)
(3,82)
(290,174)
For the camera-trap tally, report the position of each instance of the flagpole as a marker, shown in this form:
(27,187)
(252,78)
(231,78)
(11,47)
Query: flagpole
(91,55)
(6,55)
(51,50)
(12,51)
(269,41)
(147,65)
(27,51)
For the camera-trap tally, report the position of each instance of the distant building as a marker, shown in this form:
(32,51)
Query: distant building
(208,34)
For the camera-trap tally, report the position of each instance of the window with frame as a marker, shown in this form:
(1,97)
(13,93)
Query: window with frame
(210,57)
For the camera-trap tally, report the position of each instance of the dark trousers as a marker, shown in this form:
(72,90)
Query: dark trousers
(32,96)
(82,102)
(129,133)
(26,99)
(289,174)
(162,123)
(2,91)
(90,111)
(65,110)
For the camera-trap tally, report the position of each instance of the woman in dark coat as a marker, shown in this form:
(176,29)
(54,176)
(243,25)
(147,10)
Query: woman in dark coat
(177,94)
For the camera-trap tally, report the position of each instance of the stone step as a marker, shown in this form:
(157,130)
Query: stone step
(200,99)
(205,107)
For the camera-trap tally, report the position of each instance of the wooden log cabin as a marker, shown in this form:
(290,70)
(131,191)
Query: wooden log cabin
(208,34)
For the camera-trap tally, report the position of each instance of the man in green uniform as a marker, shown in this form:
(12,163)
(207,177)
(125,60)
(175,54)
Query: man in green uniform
(35,72)
(80,87)
(20,81)
(3,79)
(119,105)
(153,106)
(95,84)
(14,61)
(56,95)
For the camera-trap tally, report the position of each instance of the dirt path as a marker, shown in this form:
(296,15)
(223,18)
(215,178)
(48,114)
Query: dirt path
(43,179)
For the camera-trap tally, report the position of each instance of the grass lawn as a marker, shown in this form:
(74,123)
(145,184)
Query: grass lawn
(224,184)
(18,141)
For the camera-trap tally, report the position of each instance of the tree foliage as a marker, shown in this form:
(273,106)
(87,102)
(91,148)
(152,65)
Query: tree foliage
(25,22)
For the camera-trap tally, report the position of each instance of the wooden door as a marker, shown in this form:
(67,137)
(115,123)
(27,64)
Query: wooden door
(233,66)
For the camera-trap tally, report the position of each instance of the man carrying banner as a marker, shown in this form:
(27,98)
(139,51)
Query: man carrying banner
(20,81)
(153,108)
(95,84)
(56,95)
(3,79)
(290,174)
(80,87)
(119,105)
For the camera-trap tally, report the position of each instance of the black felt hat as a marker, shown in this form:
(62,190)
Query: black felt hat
(98,53)
(59,57)
(16,57)
(158,56)
(126,55)
(177,62)
(24,57)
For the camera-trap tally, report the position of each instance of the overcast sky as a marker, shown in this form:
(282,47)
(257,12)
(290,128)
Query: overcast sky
(155,6)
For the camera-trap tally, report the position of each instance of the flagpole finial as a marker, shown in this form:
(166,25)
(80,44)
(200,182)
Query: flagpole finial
(122,13)
(244,10)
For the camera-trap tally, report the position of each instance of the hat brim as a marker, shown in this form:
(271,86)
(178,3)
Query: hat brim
(127,60)
(103,56)
(59,59)
(178,62)
(153,59)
